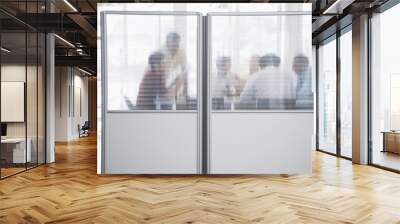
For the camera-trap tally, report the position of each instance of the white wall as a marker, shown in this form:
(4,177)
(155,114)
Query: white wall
(13,73)
(33,126)
(70,83)
(261,143)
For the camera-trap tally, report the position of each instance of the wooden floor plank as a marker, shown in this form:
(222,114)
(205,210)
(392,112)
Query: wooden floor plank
(70,191)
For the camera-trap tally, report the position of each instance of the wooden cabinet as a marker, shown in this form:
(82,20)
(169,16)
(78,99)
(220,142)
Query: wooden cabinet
(391,142)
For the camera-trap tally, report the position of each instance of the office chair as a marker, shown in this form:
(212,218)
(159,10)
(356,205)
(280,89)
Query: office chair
(84,130)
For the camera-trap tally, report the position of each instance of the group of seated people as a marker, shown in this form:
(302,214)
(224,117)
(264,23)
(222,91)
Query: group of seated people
(164,84)
(268,85)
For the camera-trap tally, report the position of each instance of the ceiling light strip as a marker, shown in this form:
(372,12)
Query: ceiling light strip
(70,5)
(5,50)
(64,40)
(84,71)
(326,11)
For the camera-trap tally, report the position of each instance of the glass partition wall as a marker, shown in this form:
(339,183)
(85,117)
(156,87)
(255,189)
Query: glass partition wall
(260,92)
(334,107)
(243,56)
(22,100)
(385,90)
(327,79)
(152,89)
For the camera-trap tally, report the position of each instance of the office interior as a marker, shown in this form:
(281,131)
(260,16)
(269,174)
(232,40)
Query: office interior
(53,91)
(23,97)
(25,58)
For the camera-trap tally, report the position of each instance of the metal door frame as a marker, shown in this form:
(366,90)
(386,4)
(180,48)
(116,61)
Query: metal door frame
(104,74)
(209,73)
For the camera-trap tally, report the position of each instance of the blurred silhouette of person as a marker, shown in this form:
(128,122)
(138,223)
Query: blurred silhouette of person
(225,83)
(152,88)
(301,67)
(269,82)
(254,65)
(175,66)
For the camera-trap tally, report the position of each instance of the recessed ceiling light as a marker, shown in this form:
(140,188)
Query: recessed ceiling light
(337,7)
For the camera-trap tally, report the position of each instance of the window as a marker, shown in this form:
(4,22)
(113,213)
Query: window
(385,87)
(346,94)
(327,96)
(22,64)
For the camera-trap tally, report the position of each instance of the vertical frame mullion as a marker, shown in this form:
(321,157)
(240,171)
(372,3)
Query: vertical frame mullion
(26,87)
(44,80)
(317,96)
(205,162)
(37,88)
(338,92)
(0,92)
(369,90)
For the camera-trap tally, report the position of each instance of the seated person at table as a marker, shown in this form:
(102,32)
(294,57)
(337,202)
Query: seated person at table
(254,65)
(225,83)
(304,94)
(152,89)
(269,82)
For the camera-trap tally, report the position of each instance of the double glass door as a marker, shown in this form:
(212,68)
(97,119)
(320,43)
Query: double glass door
(179,88)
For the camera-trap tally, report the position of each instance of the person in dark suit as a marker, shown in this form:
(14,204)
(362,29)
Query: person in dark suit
(152,89)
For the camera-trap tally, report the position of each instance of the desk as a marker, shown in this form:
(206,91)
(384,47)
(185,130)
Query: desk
(391,141)
(13,150)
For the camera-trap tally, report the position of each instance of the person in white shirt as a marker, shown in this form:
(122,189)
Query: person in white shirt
(304,93)
(270,83)
(225,84)
(176,67)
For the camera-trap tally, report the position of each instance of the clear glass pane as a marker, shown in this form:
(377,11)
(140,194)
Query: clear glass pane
(13,87)
(152,65)
(327,97)
(257,65)
(346,94)
(41,98)
(31,101)
(386,89)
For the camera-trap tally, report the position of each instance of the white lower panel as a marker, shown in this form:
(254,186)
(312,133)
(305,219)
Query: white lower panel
(151,143)
(261,143)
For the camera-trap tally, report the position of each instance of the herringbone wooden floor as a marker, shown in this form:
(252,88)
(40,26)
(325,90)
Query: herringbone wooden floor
(70,191)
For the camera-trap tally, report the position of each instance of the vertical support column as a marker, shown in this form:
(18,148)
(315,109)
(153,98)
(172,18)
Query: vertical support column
(50,99)
(360,90)
(101,101)
(50,93)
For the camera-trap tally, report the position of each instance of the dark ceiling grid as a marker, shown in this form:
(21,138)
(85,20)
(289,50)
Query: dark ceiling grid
(79,27)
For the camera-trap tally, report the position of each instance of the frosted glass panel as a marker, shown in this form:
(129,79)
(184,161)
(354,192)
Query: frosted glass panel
(327,97)
(257,64)
(152,65)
